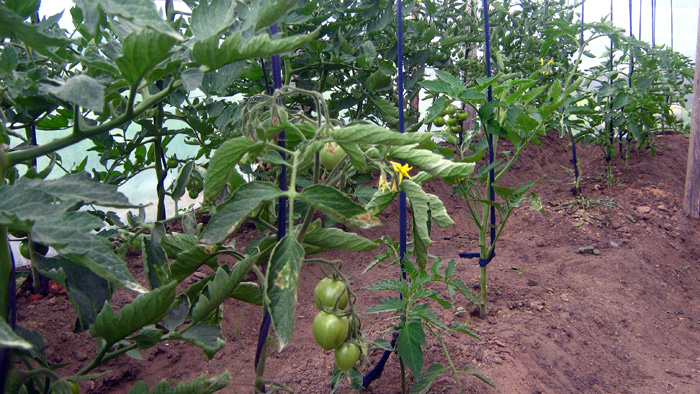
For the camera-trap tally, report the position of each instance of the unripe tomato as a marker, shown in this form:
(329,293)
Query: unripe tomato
(172,162)
(193,193)
(462,115)
(327,291)
(439,121)
(456,128)
(329,330)
(451,110)
(347,355)
(24,250)
(331,155)
(451,121)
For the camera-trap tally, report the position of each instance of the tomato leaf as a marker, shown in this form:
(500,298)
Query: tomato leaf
(81,90)
(408,346)
(9,339)
(155,262)
(282,283)
(391,304)
(431,162)
(367,133)
(142,52)
(231,214)
(338,206)
(205,335)
(201,385)
(145,310)
(215,54)
(248,292)
(87,291)
(335,238)
(222,163)
(191,259)
(425,380)
(212,18)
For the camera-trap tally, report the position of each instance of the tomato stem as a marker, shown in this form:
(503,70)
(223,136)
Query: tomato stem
(483,311)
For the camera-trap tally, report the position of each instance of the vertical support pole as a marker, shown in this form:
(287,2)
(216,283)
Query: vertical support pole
(402,196)
(282,202)
(691,205)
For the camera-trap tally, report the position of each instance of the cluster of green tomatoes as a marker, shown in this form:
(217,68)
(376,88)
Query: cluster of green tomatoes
(334,327)
(451,119)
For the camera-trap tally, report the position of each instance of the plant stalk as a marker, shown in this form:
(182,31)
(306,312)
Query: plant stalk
(483,310)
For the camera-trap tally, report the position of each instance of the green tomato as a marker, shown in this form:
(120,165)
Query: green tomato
(347,355)
(462,115)
(24,250)
(172,162)
(456,128)
(327,291)
(329,330)
(193,193)
(439,121)
(451,110)
(451,121)
(331,155)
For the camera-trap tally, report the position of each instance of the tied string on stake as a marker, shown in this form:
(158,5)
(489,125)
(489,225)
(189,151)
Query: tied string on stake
(473,255)
(376,372)
(282,202)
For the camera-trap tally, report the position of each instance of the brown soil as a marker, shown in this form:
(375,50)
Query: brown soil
(594,301)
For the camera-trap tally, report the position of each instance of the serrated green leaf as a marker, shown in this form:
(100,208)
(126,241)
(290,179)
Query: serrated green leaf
(201,385)
(425,380)
(188,261)
(473,371)
(335,238)
(13,26)
(222,163)
(140,14)
(409,346)
(338,206)
(205,335)
(181,182)
(271,11)
(248,292)
(282,283)
(431,162)
(79,187)
(175,243)
(217,290)
(177,315)
(87,291)
(155,262)
(215,54)
(391,304)
(81,90)
(148,337)
(383,344)
(23,8)
(368,133)
(212,18)
(142,52)
(231,214)
(146,309)
(9,339)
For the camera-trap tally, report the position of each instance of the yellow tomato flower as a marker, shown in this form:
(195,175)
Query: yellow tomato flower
(383,184)
(550,61)
(401,170)
(541,62)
